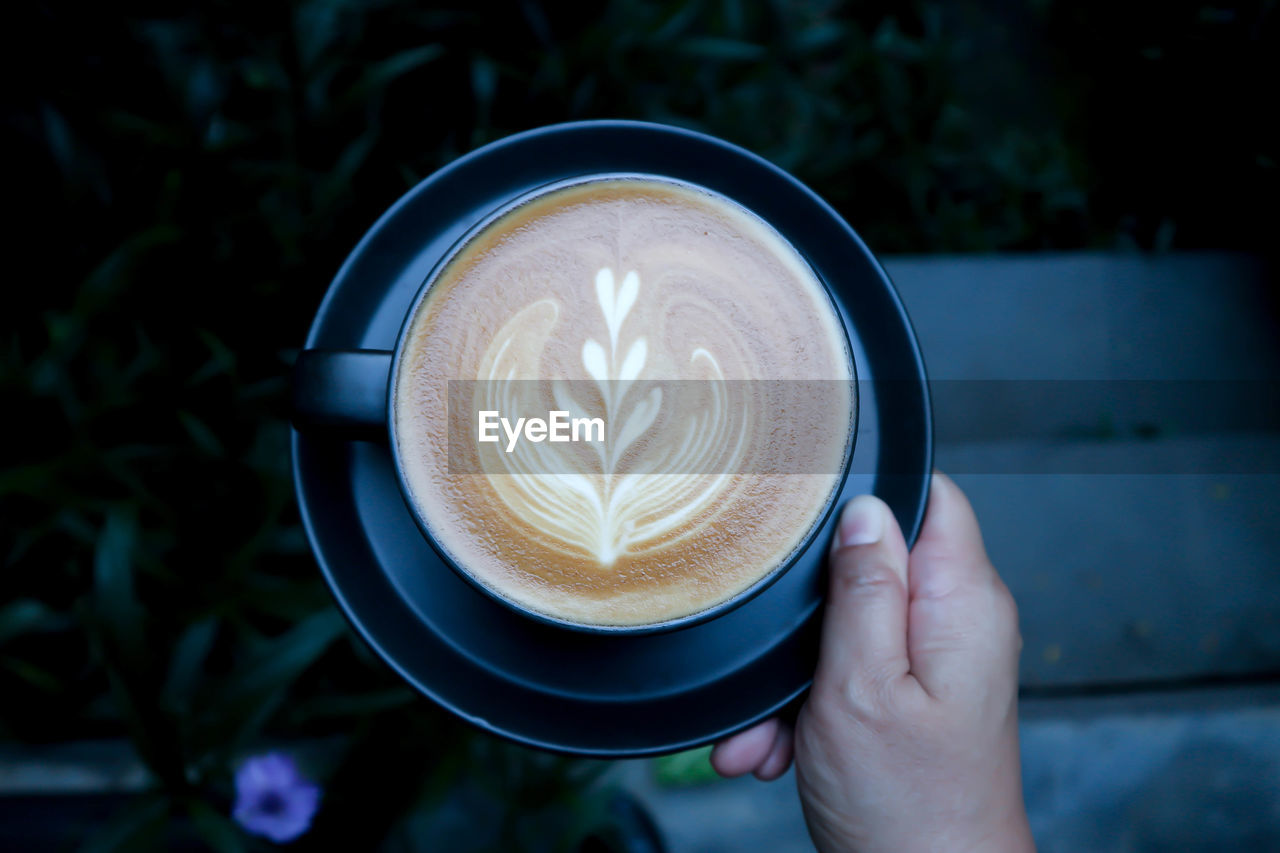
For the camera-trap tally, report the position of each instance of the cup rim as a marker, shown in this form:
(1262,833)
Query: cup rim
(687,620)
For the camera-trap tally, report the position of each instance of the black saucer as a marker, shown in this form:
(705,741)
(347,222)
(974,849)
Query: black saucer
(600,695)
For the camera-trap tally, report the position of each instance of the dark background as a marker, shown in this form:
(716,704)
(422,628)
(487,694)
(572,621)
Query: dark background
(182,183)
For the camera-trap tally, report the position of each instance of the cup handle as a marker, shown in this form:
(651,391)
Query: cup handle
(342,393)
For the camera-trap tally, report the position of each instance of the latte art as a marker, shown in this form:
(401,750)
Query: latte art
(663,314)
(601,511)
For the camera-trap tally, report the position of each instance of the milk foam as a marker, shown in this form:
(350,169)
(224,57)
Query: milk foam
(614,287)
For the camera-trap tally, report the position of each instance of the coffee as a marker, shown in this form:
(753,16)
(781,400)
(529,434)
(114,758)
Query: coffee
(662,319)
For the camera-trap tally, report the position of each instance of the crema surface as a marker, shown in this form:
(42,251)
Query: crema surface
(674,318)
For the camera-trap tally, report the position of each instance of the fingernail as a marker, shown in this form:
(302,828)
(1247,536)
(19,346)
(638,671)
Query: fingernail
(862,522)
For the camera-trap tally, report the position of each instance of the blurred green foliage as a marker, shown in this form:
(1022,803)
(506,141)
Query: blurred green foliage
(186,182)
(685,769)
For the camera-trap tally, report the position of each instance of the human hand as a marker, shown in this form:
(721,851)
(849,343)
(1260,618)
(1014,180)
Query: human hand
(909,737)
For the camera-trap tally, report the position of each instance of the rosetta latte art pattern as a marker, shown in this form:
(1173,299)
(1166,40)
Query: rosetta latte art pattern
(608,511)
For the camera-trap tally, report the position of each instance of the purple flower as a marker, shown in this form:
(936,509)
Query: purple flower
(273,799)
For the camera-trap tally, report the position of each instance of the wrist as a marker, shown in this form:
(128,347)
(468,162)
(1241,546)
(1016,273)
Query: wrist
(1010,835)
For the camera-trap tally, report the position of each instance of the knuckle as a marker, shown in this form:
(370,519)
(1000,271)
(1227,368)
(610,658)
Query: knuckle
(868,576)
(869,700)
(849,698)
(1005,610)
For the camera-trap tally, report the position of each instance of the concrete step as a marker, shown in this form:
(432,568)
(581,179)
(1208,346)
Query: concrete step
(1193,771)
(1123,578)
(1091,315)
(1127,577)
(1220,453)
(1060,345)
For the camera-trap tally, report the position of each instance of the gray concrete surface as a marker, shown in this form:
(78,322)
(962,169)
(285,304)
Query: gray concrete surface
(1092,315)
(1133,578)
(1181,772)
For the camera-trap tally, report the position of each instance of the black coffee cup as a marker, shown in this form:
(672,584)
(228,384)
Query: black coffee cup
(352,394)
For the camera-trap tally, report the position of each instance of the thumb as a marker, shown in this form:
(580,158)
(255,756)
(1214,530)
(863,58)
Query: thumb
(864,630)
(963,619)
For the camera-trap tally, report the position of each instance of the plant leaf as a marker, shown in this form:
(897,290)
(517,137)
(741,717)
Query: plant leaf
(359,705)
(26,615)
(382,73)
(115,603)
(215,828)
(253,692)
(204,438)
(284,658)
(187,661)
(723,49)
